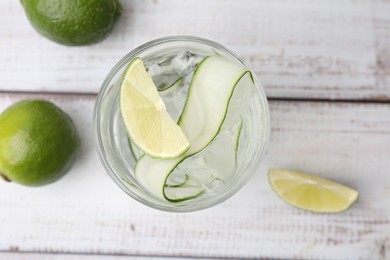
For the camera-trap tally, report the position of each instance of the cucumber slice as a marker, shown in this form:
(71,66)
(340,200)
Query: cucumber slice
(176,182)
(204,112)
(184,192)
(236,138)
(221,155)
(134,150)
(171,88)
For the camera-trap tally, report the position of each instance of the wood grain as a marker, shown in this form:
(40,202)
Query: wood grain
(49,256)
(85,212)
(335,49)
(381,20)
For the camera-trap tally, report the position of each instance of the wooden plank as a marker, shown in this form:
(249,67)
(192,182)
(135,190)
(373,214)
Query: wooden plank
(381,21)
(313,49)
(49,256)
(86,213)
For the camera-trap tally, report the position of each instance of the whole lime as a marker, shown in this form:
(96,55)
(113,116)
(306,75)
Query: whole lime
(73,22)
(38,143)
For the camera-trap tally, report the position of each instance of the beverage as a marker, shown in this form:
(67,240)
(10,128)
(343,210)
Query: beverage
(208,176)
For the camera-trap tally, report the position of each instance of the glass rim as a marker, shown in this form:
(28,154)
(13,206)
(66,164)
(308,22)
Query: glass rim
(105,86)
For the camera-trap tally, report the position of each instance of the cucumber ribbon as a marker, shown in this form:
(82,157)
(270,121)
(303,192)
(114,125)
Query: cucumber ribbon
(210,106)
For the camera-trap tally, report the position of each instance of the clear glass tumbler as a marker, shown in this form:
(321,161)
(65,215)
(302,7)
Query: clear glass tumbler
(182,53)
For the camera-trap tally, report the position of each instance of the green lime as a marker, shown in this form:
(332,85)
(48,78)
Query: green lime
(38,143)
(73,22)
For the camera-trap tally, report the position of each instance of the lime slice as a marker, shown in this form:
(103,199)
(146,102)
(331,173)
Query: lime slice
(145,117)
(311,193)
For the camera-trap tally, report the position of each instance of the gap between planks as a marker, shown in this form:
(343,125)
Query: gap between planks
(279,99)
(84,254)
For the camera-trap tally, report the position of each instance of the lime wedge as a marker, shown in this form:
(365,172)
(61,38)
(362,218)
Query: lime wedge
(144,114)
(311,193)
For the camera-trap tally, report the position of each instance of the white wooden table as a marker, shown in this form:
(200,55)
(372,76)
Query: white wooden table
(325,65)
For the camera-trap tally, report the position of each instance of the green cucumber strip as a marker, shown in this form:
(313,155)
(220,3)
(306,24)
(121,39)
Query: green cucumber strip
(221,155)
(184,192)
(236,138)
(171,88)
(204,112)
(137,153)
(177,183)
